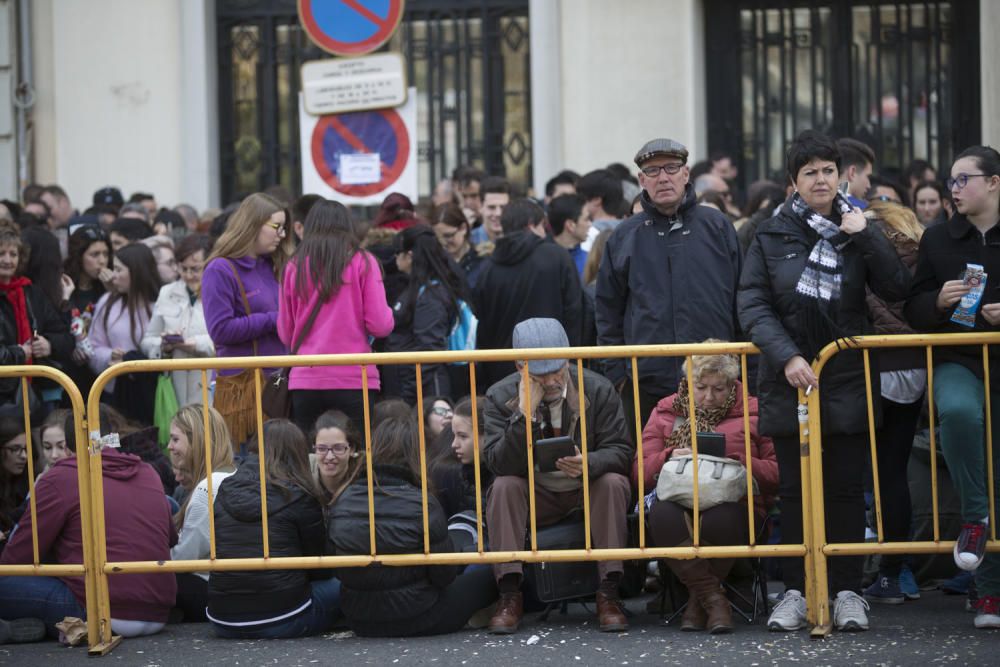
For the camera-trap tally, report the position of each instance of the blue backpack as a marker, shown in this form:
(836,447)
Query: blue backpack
(463,334)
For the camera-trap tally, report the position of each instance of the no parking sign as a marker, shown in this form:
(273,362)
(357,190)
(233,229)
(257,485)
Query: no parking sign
(359,158)
(350,27)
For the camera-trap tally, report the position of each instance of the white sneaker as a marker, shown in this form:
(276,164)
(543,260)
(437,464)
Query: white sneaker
(790,614)
(850,612)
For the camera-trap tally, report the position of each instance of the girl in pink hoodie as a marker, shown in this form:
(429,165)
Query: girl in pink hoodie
(331,275)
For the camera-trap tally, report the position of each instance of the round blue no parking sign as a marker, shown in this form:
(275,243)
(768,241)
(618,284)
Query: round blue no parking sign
(350,27)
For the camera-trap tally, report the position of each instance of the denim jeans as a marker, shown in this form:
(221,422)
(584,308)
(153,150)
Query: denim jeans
(46,598)
(315,619)
(958,397)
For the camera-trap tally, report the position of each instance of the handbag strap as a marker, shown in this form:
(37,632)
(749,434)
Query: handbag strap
(243,295)
(307,328)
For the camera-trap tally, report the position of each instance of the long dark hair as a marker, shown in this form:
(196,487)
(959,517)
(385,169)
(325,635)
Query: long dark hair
(286,457)
(79,243)
(143,288)
(430,263)
(328,244)
(395,443)
(13,489)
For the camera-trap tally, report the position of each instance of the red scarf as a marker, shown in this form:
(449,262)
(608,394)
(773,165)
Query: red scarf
(14,291)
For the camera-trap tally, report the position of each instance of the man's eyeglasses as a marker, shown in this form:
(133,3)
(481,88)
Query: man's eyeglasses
(338,449)
(962,180)
(442,412)
(654,171)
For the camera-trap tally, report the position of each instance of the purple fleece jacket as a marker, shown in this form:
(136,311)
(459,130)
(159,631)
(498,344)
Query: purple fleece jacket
(231,329)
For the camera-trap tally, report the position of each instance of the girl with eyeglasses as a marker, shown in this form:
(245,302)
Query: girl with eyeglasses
(240,297)
(452,230)
(13,474)
(427,309)
(941,280)
(177,329)
(332,301)
(338,453)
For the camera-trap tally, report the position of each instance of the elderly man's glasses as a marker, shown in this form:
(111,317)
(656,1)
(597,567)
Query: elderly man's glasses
(962,180)
(338,449)
(654,171)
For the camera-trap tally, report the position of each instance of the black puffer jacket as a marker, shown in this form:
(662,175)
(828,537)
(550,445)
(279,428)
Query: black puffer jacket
(945,249)
(295,528)
(389,601)
(43,318)
(424,328)
(770,313)
(667,280)
(525,277)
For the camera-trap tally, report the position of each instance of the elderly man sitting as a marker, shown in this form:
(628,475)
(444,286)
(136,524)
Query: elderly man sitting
(554,411)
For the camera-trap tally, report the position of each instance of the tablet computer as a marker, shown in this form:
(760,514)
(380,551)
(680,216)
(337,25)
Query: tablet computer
(550,450)
(712,444)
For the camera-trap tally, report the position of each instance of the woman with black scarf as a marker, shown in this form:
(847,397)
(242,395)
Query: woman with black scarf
(803,286)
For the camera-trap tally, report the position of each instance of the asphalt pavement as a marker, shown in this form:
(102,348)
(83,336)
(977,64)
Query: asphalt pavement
(933,630)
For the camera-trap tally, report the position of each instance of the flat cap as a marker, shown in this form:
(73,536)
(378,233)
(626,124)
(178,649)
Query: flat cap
(664,147)
(541,332)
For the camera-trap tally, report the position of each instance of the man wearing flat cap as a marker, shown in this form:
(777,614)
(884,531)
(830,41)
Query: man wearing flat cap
(669,275)
(551,409)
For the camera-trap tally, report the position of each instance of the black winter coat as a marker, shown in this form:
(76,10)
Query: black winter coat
(426,329)
(43,318)
(945,249)
(667,280)
(608,444)
(770,312)
(294,528)
(526,276)
(383,601)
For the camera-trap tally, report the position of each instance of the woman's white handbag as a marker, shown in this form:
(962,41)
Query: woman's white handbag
(720,480)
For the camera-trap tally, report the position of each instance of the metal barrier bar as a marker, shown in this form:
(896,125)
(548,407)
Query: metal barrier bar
(814,532)
(752,528)
(866,548)
(402,560)
(931,412)
(873,445)
(639,456)
(529,435)
(208,464)
(475,456)
(260,463)
(988,413)
(423,459)
(30,455)
(583,450)
(693,427)
(368,458)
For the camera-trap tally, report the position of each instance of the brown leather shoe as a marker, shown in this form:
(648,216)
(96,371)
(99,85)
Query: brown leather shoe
(694,618)
(720,614)
(510,611)
(609,613)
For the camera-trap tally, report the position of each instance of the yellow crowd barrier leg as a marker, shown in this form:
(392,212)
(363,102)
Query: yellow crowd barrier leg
(818,599)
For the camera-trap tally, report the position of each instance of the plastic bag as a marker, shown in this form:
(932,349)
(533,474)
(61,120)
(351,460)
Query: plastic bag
(164,408)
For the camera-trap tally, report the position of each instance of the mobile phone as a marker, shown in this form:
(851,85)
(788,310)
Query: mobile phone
(712,444)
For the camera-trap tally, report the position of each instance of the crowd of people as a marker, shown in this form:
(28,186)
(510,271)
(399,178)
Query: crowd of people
(665,255)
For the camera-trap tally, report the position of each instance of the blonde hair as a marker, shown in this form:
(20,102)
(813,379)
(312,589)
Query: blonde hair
(726,365)
(898,217)
(241,232)
(191,422)
(593,263)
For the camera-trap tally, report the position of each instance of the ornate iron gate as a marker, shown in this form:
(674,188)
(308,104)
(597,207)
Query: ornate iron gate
(469,60)
(901,76)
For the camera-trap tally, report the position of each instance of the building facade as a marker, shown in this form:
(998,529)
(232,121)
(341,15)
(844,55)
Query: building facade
(196,100)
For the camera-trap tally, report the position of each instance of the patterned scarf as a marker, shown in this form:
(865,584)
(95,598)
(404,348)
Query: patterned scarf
(705,419)
(821,278)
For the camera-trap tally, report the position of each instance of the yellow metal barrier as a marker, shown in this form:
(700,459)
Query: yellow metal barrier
(818,588)
(87,569)
(482,555)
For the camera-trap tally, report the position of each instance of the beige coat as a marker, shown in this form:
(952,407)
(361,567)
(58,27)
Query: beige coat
(173,312)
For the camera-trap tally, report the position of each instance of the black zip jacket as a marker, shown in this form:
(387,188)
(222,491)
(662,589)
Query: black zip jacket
(770,314)
(294,528)
(945,249)
(667,280)
(43,318)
